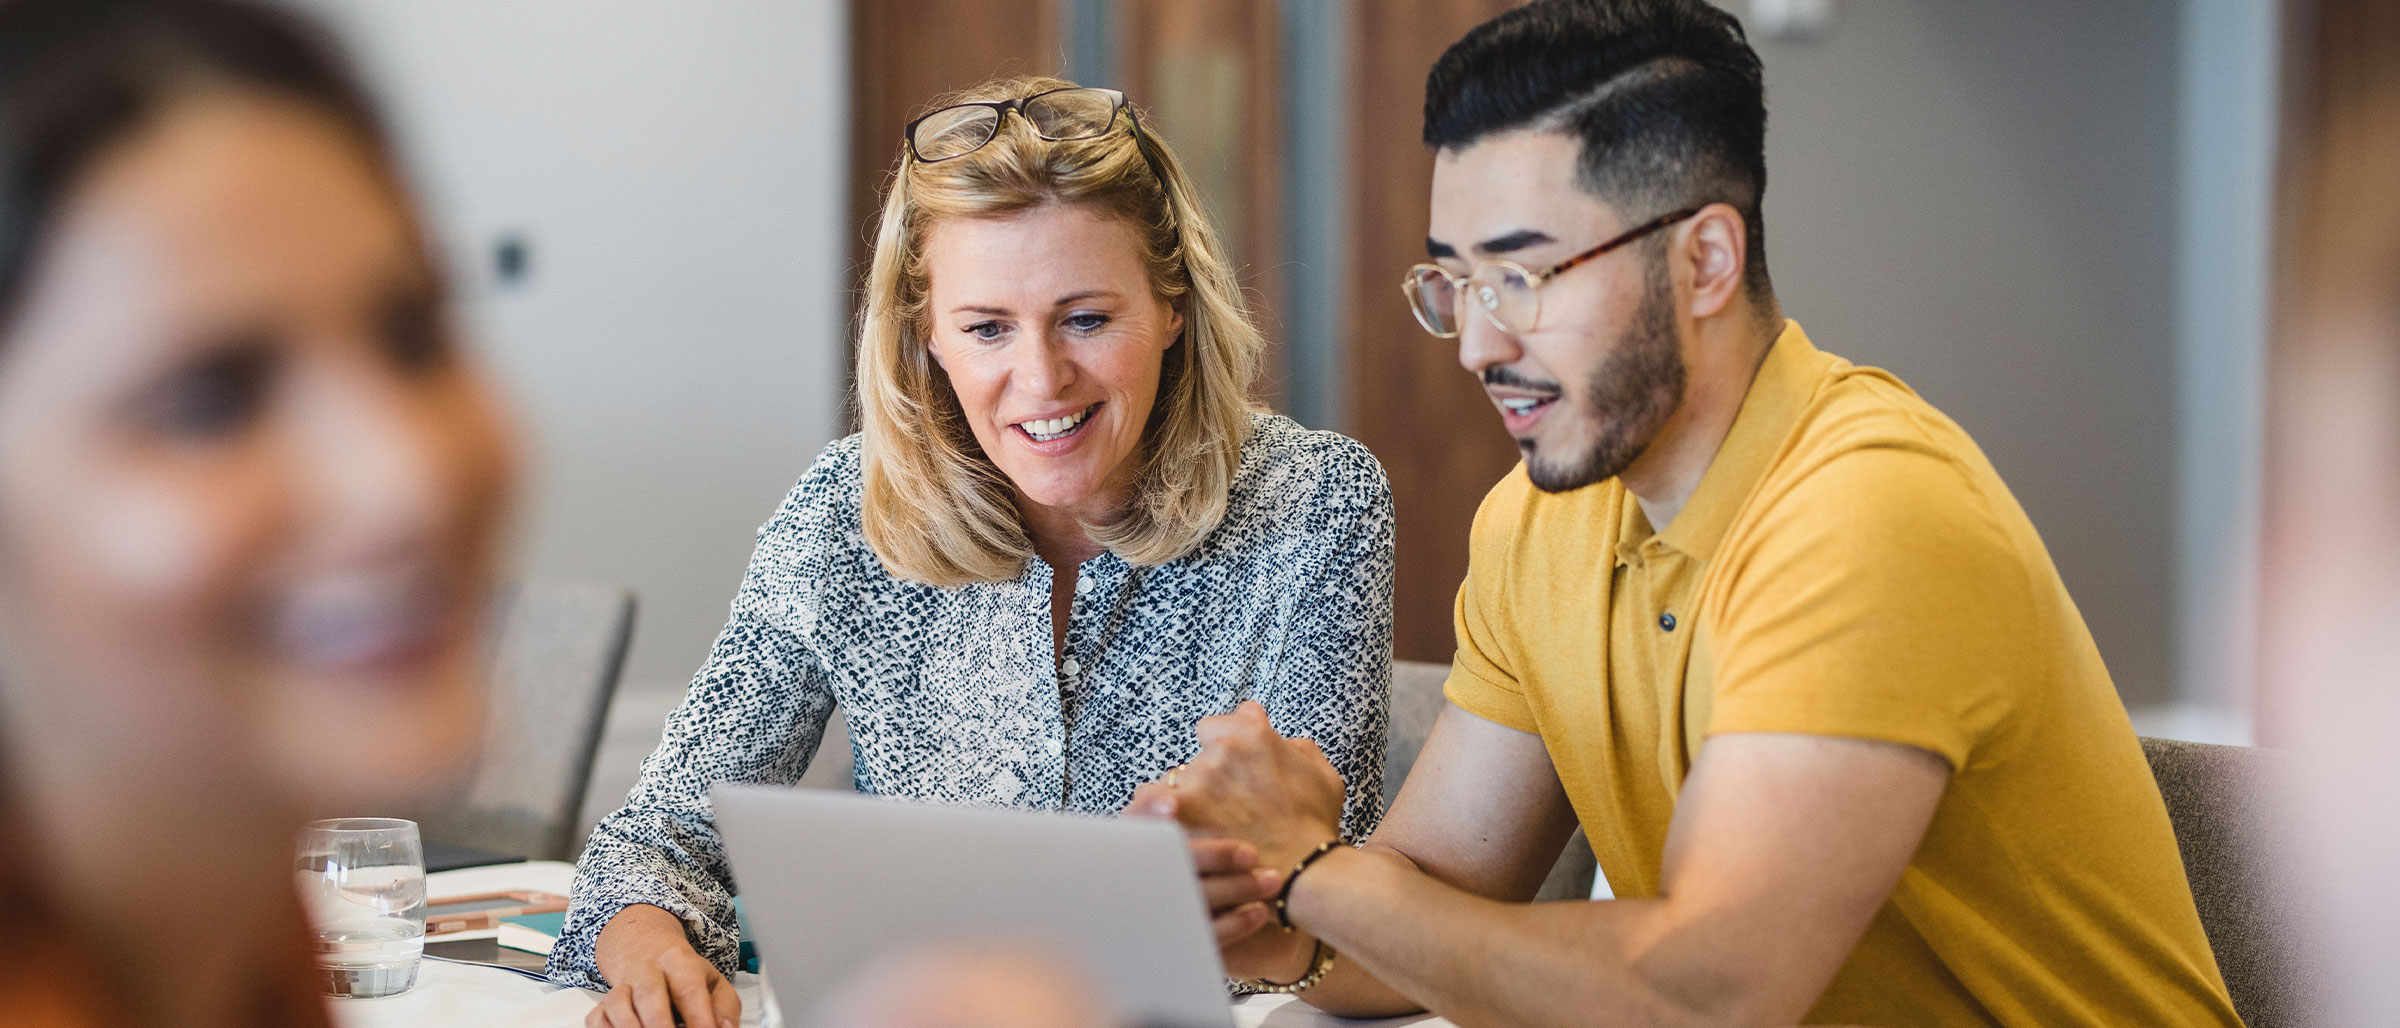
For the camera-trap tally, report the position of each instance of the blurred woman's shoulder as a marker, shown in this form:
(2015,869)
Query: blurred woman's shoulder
(49,979)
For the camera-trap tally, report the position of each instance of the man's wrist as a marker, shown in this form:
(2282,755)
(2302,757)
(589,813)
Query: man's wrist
(1291,878)
(1303,893)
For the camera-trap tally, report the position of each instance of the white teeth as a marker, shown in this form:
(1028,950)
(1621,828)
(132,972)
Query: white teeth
(1046,429)
(1521,406)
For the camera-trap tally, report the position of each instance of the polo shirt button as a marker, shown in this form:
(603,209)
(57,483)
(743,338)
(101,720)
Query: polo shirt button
(1083,586)
(1070,666)
(1666,622)
(1053,746)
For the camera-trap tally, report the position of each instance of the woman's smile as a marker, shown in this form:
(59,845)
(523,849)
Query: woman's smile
(369,623)
(1052,338)
(1055,429)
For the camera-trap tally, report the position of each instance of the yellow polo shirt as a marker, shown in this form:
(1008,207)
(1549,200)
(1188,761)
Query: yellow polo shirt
(1852,566)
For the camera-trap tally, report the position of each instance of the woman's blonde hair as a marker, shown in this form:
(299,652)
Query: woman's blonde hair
(936,509)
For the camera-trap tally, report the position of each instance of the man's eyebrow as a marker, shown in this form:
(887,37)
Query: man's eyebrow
(1438,249)
(1517,240)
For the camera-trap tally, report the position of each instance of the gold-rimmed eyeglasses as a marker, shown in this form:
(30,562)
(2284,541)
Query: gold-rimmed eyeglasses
(1505,291)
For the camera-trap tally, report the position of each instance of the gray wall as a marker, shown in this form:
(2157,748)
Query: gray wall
(2228,60)
(679,173)
(1981,197)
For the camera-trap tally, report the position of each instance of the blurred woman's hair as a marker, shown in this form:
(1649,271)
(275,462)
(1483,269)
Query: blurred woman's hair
(77,76)
(936,509)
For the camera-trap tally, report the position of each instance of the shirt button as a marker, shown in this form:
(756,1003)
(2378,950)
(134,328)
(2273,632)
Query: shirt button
(1053,746)
(1666,622)
(1083,586)
(1070,666)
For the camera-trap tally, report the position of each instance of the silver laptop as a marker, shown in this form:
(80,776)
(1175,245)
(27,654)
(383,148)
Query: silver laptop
(833,881)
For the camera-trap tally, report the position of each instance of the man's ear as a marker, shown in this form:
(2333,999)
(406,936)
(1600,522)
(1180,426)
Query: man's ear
(1715,248)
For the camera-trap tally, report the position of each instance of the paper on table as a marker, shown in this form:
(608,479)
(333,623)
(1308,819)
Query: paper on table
(533,933)
(517,936)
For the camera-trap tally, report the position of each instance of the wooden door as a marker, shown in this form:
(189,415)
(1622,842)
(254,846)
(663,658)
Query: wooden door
(1425,417)
(1205,73)
(903,53)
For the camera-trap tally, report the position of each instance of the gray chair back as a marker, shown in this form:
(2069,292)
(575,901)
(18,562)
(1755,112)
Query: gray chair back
(2217,797)
(558,648)
(2221,801)
(1416,702)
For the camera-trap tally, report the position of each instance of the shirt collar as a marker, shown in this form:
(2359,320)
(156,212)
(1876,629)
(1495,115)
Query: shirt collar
(1785,383)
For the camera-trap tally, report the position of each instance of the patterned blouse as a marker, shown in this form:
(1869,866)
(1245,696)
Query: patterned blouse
(954,695)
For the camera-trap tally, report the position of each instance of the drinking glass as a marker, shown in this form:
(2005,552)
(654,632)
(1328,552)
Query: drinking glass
(362,880)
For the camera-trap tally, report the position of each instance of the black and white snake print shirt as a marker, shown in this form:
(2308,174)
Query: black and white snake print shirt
(952,694)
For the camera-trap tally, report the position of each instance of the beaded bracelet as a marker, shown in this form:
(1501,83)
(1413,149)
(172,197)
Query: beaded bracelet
(1283,896)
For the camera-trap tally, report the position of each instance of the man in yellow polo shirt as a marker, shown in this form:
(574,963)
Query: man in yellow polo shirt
(1767,624)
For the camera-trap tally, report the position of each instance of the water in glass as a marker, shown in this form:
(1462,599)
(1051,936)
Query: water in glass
(363,880)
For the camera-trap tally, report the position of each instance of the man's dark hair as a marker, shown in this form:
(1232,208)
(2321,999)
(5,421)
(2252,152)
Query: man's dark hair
(1664,96)
(78,75)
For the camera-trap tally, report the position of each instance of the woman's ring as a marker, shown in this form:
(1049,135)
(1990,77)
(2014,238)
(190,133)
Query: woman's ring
(1171,775)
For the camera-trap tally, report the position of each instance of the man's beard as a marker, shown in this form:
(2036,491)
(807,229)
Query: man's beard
(1629,398)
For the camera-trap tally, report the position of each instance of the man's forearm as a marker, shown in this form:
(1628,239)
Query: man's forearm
(1408,940)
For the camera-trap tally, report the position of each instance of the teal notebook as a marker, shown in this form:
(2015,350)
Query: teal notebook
(552,924)
(555,924)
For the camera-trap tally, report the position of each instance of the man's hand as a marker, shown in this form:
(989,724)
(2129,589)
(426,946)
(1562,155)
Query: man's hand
(1249,792)
(1279,795)
(654,974)
(1235,887)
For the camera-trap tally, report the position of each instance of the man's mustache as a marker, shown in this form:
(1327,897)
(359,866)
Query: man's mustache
(1498,375)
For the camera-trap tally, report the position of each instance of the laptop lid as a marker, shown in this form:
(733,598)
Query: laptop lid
(836,881)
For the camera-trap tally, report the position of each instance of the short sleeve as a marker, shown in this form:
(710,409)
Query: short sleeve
(1485,678)
(1876,598)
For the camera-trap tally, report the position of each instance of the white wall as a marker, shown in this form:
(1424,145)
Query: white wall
(2228,56)
(1982,197)
(678,171)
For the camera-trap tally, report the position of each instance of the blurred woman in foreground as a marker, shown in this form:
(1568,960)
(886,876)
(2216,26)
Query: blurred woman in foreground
(249,498)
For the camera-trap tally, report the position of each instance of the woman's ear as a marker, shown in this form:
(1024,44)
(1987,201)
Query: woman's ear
(1174,324)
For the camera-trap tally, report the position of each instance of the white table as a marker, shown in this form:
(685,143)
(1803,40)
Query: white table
(465,996)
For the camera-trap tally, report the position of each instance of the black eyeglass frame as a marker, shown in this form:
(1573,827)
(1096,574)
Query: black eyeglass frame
(1533,279)
(1120,105)
(1133,119)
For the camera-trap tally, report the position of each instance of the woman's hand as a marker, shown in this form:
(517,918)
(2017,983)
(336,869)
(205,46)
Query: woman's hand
(1279,795)
(654,975)
(1234,886)
(1238,893)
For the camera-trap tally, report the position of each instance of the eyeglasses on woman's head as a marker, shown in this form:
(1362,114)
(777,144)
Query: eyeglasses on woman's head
(1077,112)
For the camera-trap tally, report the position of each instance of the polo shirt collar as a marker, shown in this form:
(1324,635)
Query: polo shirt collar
(1785,383)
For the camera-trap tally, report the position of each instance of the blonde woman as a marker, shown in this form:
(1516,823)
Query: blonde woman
(1064,536)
